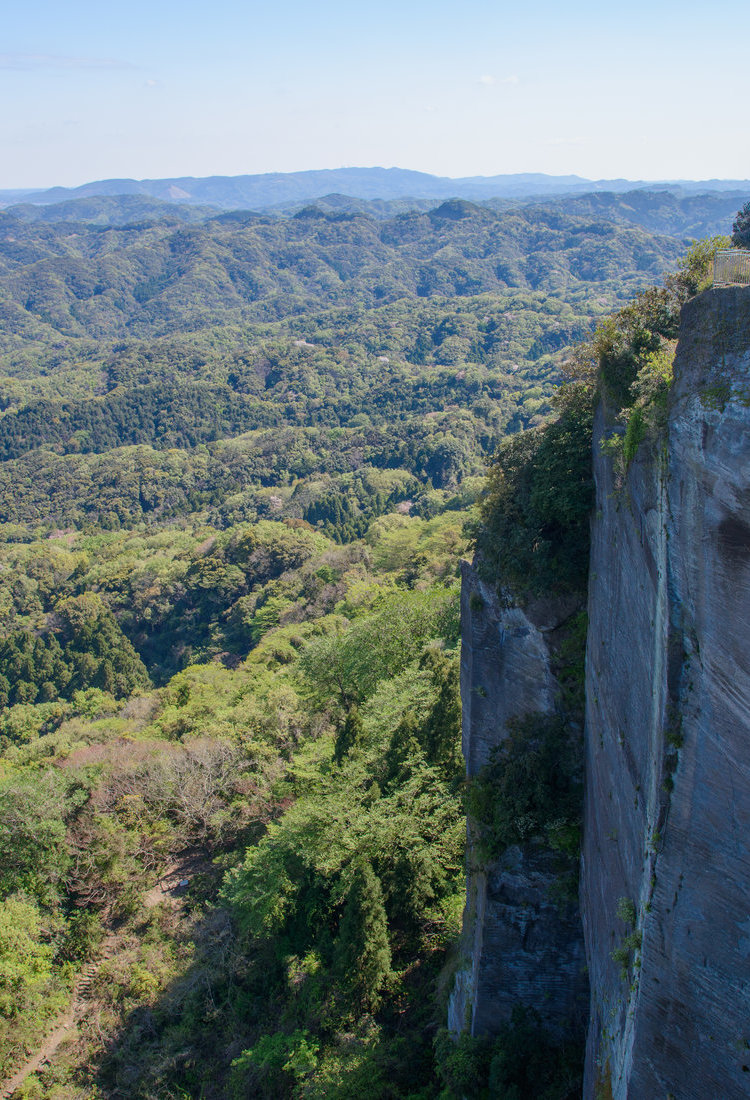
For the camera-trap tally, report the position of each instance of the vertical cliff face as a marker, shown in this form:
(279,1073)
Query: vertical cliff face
(521,945)
(665,883)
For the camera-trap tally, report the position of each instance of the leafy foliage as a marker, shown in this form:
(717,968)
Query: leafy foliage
(30,989)
(522,1061)
(348,665)
(533,534)
(362,954)
(534,529)
(225,753)
(531,788)
(741,228)
(34,858)
(236,457)
(87,650)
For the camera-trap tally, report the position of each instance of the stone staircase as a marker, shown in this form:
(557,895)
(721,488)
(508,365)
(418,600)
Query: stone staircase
(63,1024)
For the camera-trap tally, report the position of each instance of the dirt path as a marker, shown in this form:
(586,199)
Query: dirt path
(64,1025)
(170,889)
(173,884)
(66,1022)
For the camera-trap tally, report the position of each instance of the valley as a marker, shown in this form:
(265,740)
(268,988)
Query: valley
(241,458)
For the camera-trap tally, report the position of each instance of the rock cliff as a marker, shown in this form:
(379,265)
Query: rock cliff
(665,884)
(665,879)
(521,944)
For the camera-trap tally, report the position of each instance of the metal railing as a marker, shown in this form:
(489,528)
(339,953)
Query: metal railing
(732,267)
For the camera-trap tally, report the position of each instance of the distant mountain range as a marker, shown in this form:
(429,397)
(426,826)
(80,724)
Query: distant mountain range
(261,192)
(681,215)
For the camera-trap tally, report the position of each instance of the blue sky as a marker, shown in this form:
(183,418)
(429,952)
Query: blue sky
(647,90)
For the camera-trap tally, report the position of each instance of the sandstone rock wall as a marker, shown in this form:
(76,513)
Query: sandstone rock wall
(667,819)
(519,945)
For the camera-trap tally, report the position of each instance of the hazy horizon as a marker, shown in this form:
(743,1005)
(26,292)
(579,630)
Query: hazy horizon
(374,168)
(644,93)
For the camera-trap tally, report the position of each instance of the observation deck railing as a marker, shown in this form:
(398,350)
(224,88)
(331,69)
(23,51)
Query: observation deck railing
(732,267)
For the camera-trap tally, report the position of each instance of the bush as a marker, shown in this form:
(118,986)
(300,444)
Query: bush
(624,955)
(530,788)
(534,535)
(626,910)
(523,1061)
(741,228)
(272,1067)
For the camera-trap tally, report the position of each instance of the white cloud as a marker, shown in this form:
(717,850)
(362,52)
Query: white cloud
(488,81)
(54,61)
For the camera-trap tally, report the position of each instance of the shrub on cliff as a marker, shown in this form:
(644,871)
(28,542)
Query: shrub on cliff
(624,343)
(533,536)
(533,533)
(530,788)
(522,1061)
(630,356)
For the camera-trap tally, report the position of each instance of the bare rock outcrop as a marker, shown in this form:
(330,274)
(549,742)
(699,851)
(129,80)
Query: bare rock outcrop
(521,944)
(665,884)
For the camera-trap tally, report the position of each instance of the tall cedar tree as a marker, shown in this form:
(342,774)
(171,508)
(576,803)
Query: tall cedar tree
(363,953)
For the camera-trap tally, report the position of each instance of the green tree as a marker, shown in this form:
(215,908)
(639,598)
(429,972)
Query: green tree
(527,1061)
(349,664)
(534,535)
(531,786)
(362,951)
(348,735)
(33,851)
(25,959)
(741,228)
(440,735)
(271,1068)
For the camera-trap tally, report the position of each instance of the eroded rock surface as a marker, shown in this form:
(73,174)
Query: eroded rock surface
(667,822)
(520,944)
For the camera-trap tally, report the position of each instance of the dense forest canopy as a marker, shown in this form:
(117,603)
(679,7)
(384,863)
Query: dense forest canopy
(237,458)
(421,340)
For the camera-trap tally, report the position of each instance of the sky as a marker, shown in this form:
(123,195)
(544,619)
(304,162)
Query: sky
(643,90)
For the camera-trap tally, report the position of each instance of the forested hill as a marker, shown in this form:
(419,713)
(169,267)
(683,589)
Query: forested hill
(663,210)
(237,459)
(85,280)
(170,335)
